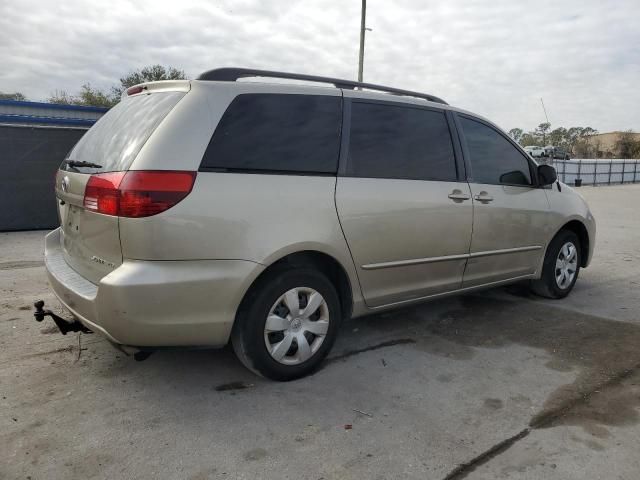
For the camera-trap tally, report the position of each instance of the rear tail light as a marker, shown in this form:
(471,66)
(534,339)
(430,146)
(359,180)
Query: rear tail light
(137,193)
(135,90)
(101,193)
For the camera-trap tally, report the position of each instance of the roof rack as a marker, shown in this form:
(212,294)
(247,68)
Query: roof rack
(233,74)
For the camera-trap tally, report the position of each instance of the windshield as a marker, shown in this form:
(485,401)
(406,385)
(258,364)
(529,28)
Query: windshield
(115,140)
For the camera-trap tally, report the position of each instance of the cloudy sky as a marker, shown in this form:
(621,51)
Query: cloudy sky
(494,57)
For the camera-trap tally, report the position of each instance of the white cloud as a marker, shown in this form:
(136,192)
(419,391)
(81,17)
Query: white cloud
(494,57)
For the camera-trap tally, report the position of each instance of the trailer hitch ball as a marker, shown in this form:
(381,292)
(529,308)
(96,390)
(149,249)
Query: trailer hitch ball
(39,314)
(63,325)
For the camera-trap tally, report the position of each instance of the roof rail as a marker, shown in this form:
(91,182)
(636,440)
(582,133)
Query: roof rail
(233,74)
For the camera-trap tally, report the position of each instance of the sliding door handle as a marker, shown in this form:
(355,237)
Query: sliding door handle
(483,197)
(457,196)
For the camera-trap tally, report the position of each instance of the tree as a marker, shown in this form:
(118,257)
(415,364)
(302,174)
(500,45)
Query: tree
(88,96)
(558,137)
(627,146)
(573,135)
(12,96)
(528,140)
(61,97)
(95,97)
(516,134)
(541,130)
(152,73)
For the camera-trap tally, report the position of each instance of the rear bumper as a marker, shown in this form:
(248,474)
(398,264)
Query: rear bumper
(154,303)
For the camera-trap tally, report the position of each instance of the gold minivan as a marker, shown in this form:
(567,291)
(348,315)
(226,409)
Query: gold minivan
(200,212)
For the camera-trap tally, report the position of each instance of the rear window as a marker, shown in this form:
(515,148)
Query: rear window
(115,139)
(278,133)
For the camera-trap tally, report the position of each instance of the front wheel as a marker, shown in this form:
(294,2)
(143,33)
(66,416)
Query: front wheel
(287,324)
(561,266)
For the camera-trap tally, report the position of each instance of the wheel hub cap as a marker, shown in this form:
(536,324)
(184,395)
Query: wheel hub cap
(566,265)
(296,325)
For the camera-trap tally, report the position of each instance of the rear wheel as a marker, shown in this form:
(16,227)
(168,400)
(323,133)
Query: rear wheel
(561,266)
(287,324)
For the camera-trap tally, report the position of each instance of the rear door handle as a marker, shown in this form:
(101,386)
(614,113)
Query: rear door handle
(457,196)
(483,197)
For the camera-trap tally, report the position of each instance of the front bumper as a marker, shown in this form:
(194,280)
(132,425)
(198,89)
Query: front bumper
(154,303)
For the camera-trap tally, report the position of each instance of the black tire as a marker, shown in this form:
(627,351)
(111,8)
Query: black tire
(248,336)
(547,286)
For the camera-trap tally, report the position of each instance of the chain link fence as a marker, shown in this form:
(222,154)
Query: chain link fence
(581,171)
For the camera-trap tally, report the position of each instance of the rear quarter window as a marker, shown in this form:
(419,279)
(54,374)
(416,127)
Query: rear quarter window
(277,133)
(116,139)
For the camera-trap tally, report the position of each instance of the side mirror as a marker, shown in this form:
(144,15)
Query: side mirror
(547,175)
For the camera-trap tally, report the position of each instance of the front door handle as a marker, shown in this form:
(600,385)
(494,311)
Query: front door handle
(457,196)
(483,197)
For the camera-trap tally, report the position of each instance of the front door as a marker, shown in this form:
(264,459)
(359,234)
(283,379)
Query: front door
(510,213)
(405,212)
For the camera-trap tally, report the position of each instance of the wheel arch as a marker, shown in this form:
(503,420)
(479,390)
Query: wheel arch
(321,261)
(579,228)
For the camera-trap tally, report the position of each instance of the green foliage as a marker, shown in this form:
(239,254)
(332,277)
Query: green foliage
(572,139)
(12,96)
(151,73)
(557,136)
(61,97)
(627,146)
(95,97)
(516,134)
(577,141)
(90,96)
(543,128)
(528,139)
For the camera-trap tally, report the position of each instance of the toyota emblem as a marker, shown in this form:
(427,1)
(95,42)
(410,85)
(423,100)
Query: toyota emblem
(65,184)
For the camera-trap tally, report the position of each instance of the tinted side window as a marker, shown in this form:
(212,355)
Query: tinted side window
(494,159)
(389,141)
(299,133)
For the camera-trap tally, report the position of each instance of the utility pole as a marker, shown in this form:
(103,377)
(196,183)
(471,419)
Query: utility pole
(362,29)
(545,116)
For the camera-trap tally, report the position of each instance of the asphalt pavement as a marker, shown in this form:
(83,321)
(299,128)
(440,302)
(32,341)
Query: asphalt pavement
(498,384)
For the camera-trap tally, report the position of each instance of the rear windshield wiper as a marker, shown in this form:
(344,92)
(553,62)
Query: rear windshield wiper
(77,163)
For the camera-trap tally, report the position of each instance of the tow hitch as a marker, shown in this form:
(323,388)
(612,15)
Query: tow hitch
(63,325)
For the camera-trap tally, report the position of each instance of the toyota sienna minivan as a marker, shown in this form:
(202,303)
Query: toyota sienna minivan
(198,213)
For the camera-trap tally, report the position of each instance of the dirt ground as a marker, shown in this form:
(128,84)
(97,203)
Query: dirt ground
(499,384)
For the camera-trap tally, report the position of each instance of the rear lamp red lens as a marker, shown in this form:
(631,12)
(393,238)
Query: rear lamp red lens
(137,194)
(101,193)
(135,89)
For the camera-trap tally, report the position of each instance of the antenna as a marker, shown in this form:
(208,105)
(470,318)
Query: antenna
(545,110)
